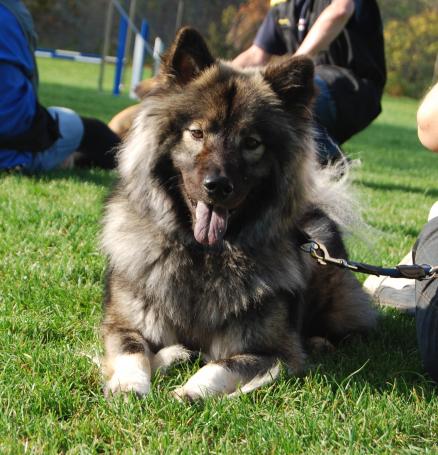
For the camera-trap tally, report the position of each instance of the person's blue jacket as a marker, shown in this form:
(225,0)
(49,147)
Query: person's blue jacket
(18,100)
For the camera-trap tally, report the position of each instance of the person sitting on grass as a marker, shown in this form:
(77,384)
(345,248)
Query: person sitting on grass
(420,297)
(345,40)
(33,138)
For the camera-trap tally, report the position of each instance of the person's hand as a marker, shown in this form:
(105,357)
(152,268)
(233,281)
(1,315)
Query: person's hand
(253,56)
(427,120)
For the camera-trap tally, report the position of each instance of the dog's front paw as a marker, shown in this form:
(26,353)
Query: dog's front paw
(185,395)
(190,395)
(128,373)
(123,384)
(120,383)
(168,356)
(211,380)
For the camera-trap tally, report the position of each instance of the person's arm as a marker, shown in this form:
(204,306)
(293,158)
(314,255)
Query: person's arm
(427,120)
(327,27)
(253,56)
(17,101)
(17,96)
(267,42)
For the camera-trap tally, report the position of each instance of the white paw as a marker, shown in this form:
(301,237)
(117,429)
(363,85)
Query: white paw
(182,394)
(211,380)
(168,356)
(138,383)
(131,374)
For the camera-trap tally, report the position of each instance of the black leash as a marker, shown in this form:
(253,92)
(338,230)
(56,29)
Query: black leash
(416,271)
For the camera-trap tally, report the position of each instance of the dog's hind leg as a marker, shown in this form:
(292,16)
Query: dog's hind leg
(238,374)
(127,363)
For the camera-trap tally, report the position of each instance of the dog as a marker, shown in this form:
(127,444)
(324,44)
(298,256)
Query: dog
(218,188)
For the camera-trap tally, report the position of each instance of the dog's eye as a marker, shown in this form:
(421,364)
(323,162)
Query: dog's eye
(197,134)
(251,143)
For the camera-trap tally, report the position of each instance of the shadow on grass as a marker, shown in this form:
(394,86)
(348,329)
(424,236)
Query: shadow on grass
(95,176)
(387,135)
(386,361)
(398,187)
(85,101)
(390,148)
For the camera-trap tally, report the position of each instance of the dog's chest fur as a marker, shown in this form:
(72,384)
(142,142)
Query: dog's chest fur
(205,289)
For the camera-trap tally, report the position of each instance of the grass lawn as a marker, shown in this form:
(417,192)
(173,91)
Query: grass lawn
(367,397)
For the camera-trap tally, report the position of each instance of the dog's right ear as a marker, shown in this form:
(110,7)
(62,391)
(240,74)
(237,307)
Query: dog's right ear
(291,78)
(187,57)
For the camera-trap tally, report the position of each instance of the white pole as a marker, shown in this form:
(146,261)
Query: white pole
(137,64)
(132,8)
(158,50)
(106,42)
(179,15)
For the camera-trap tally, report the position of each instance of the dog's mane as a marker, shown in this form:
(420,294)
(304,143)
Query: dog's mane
(152,184)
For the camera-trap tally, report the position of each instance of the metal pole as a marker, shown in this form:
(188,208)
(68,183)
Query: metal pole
(106,42)
(138,58)
(132,8)
(179,15)
(123,27)
(131,24)
(158,50)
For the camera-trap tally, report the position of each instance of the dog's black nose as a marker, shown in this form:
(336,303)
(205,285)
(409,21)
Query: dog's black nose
(218,186)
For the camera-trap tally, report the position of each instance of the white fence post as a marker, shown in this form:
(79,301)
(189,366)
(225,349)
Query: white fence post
(137,64)
(158,50)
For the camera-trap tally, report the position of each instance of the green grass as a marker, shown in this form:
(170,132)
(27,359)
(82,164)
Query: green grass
(367,397)
(60,76)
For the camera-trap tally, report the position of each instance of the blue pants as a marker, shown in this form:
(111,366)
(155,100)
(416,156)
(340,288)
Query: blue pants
(71,129)
(425,251)
(325,119)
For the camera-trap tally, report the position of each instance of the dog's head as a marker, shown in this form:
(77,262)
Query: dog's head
(221,143)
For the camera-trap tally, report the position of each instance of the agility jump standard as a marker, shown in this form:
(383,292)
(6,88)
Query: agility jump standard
(141,46)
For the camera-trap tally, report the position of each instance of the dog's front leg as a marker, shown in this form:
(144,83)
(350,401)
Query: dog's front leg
(127,362)
(238,374)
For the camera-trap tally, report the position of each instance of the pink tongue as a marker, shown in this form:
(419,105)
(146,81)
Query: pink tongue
(211,224)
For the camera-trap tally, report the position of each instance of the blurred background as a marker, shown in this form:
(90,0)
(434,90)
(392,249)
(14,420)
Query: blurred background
(411,30)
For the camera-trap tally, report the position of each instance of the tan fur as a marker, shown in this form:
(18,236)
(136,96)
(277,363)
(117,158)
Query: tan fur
(122,122)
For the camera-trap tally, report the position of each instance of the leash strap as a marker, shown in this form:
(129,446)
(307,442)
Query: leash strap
(415,271)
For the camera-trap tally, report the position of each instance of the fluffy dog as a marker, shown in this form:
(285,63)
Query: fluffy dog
(219,186)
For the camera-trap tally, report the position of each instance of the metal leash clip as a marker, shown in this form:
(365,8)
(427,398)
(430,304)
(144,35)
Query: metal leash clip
(321,254)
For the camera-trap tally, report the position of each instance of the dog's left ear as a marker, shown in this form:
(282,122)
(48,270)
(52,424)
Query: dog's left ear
(187,57)
(291,78)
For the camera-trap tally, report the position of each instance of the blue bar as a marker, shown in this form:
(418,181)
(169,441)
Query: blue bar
(123,28)
(144,29)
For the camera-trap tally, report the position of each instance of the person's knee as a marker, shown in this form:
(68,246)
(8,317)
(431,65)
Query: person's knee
(324,107)
(70,126)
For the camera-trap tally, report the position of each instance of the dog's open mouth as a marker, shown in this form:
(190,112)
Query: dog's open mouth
(210,224)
